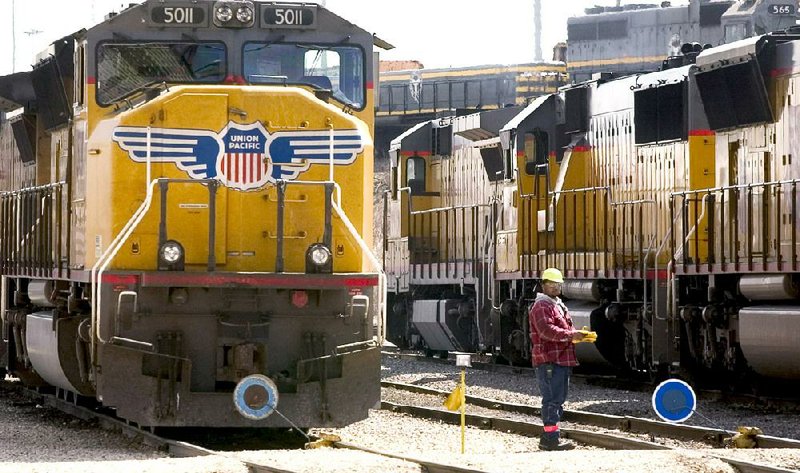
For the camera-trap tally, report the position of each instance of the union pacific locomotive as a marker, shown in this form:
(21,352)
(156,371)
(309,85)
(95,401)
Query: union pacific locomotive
(184,232)
(669,199)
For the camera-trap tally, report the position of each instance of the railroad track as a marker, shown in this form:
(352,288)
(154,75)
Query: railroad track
(608,441)
(183,449)
(484,363)
(605,440)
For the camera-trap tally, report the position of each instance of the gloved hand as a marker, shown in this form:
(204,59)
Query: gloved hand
(588,336)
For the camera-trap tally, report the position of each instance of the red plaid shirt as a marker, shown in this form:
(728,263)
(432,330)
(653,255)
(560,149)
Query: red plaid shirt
(551,332)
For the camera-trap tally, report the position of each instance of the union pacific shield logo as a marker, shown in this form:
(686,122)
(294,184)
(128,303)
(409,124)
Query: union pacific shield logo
(243,165)
(243,157)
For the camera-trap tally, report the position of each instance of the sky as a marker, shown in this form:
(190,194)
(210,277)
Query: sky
(438,33)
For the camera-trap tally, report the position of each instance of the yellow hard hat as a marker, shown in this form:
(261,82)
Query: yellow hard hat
(552,274)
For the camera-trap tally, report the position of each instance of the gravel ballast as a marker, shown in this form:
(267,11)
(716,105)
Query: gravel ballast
(38,439)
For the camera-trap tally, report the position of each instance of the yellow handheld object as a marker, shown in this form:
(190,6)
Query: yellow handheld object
(588,336)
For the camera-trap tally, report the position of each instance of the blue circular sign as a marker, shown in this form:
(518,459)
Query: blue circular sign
(674,400)
(255,397)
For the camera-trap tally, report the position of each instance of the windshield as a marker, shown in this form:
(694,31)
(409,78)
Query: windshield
(735,32)
(126,68)
(339,69)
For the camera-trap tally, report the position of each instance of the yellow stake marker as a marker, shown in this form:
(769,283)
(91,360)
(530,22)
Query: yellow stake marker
(457,399)
(463,407)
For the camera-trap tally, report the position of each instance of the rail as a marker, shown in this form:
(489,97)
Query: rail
(747,227)
(32,231)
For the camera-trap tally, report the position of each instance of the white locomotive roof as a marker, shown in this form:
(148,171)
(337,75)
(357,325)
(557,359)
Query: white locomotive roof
(525,113)
(729,51)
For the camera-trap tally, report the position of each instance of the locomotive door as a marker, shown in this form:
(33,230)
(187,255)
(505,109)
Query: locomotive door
(749,167)
(423,228)
(758,172)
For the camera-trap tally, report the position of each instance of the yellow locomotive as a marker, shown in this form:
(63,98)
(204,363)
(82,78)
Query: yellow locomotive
(669,199)
(184,231)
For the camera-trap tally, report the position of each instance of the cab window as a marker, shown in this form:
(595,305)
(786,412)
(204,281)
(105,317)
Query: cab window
(415,175)
(339,69)
(537,147)
(126,68)
(735,32)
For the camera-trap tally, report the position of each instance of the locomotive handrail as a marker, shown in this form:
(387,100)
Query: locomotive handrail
(40,246)
(444,209)
(108,255)
(102,263)
(736,186)
(748,207)
(667,237)
(643,251)
(376,265)
(27,190)
(703,207)
(569,191)
(336,206)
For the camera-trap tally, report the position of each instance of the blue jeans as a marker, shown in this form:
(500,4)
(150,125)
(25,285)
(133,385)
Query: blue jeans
(553,386)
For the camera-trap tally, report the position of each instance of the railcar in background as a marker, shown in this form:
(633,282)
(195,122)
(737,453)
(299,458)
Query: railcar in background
(184,230)
(636,37)
(486,87)
(668,199)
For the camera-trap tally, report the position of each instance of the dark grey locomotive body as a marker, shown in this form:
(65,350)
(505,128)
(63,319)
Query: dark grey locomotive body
(638,37)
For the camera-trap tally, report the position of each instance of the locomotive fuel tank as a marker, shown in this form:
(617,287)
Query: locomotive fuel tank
(770,339)
(581,314)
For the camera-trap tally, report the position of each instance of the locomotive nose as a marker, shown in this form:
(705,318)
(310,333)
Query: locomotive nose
(255,397)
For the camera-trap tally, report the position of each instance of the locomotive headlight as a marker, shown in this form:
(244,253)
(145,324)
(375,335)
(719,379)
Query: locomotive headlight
(170,256)
(318,259)
(320,255)
(244,14)
(223,14)
(171,252)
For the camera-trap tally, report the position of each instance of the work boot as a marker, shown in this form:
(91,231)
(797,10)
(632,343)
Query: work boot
(557,445)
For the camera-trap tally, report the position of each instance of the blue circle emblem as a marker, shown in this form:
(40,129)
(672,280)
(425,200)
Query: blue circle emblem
(674,400)
(255,397)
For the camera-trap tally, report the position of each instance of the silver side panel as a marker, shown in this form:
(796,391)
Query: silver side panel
(770,340)
(429,318)
(42,346)
(763,287)
(587,352)
(582,291)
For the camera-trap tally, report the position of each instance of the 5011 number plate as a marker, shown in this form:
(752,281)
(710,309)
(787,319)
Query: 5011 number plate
(179,15)
(289,16)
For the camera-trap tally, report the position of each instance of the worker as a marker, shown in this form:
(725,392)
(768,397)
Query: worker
(553,355)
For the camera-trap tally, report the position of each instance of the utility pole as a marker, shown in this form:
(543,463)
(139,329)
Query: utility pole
(537,27)
(13,37)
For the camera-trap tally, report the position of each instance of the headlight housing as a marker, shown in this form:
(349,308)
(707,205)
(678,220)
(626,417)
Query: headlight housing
(244,14)
(319,259)
(234,14)
(171,256)
(223,13)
